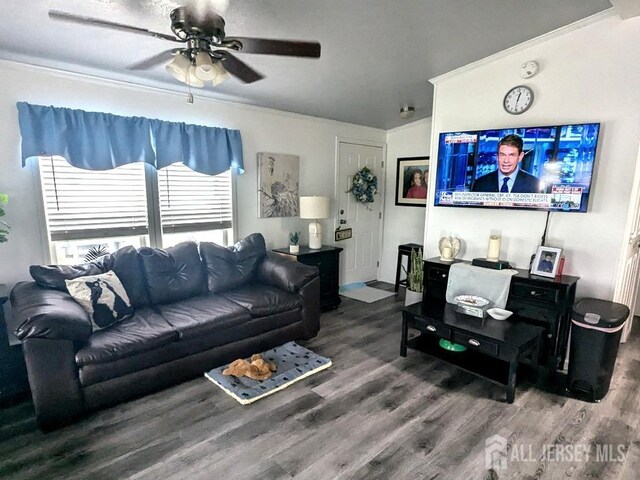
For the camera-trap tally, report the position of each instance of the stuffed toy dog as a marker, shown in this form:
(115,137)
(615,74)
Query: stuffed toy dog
(257,369)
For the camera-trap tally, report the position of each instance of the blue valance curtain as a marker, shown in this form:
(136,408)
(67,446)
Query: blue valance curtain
(102,141)
(190,144)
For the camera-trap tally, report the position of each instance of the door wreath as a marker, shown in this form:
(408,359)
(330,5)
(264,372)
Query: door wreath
(364,186)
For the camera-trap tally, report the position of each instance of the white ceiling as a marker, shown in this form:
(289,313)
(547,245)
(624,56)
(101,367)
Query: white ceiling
(376,54)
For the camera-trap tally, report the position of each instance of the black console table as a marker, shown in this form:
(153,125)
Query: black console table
(541,301)
(327,259)
(495,348)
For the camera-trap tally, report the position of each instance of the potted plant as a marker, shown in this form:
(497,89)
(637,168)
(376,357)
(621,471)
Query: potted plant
(294,238)
(4,228)
(413,293)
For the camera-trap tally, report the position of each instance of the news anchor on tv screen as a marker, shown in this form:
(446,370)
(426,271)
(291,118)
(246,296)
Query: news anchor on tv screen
(509,177)
(536,168)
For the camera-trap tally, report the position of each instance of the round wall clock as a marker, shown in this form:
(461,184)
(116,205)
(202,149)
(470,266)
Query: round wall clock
(518,100)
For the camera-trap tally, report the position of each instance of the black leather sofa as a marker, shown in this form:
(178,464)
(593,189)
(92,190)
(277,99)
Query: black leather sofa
(195,308)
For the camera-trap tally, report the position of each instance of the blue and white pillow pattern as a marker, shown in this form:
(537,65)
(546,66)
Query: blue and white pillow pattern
(103,297)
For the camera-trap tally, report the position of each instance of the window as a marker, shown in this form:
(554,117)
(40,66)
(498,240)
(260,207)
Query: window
(194,204)
(113,208)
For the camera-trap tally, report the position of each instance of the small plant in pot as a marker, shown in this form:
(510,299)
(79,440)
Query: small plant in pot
(294,238)
(413,293)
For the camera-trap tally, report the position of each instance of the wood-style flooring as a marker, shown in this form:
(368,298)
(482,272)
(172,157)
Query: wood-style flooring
(372,415)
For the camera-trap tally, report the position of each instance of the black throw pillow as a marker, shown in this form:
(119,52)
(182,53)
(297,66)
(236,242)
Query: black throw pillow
(54,276)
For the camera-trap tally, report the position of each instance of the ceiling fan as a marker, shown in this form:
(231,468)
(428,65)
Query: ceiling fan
(206,55)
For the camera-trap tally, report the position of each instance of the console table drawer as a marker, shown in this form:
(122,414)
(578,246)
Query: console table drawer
(485,346)
(434,328)
(523,290)
(437,273)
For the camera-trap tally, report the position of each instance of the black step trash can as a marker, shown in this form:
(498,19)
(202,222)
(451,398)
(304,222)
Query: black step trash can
(596,328)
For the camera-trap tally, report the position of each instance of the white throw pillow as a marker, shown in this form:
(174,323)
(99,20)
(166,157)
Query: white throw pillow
(103,297)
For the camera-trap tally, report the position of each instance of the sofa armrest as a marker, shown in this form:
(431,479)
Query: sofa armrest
(46,313)
(285,273)
(53,378)
(299,278)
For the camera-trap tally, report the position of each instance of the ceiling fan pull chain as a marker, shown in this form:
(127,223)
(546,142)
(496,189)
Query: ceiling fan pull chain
(189,95)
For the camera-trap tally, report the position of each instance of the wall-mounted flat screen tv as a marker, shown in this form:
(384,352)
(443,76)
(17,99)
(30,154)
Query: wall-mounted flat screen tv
(535,168)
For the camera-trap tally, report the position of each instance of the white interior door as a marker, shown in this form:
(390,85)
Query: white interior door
(626,290)
(361,255)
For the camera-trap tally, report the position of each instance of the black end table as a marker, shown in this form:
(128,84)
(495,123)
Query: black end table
(494,348)
(13,372)
(327,259)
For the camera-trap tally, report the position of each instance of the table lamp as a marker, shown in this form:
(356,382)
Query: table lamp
(315,208)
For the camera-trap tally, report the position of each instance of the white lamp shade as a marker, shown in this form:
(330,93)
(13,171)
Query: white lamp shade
(179,67)
(205,70)
(221,76)
(192,78)
(315,207)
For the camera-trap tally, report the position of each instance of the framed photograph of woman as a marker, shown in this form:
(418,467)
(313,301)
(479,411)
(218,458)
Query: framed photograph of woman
(546,261)
(412,178)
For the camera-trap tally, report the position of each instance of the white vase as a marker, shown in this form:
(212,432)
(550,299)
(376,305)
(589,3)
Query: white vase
(411,297)
(294,248)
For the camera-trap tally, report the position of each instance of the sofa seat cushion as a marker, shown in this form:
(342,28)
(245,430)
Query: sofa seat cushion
(202,352)
(144,331)
(202,315)
(262,300)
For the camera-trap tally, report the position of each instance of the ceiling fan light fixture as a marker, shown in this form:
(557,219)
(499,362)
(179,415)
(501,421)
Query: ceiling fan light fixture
(192,78)
(178,67)
(205,70)
(221,74)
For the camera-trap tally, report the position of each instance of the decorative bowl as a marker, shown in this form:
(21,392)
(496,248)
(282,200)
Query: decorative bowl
(499,313)
(452,347)
(472,300)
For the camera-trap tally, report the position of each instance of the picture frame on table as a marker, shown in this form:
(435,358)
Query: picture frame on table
(412,179)
(546,261)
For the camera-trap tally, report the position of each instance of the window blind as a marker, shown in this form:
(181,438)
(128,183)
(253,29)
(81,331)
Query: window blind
(82,204)
(191,201)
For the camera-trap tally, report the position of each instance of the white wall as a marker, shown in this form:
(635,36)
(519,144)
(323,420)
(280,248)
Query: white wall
(313,139)
(590,74)
(401,224)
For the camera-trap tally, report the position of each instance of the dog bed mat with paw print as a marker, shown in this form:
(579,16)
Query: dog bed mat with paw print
(293,363)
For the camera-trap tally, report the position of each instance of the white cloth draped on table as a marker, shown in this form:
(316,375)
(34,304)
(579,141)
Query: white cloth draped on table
(465,279)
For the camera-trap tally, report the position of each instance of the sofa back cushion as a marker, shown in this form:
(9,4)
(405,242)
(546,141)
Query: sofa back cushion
(173,274)
(230,267)
(125,263)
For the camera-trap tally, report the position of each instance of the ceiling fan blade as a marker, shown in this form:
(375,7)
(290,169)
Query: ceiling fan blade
(153,61)
(238,68)
(268,46)
(96,22)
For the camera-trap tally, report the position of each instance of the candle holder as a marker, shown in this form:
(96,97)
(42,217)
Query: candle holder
(493,256)
(449,248)
(493,252)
